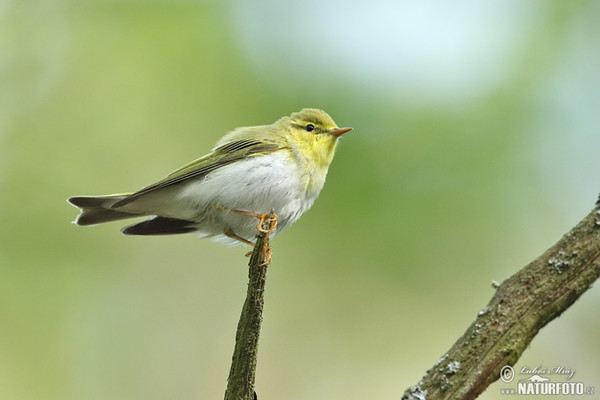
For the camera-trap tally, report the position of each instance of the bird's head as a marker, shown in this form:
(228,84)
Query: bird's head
(314,134)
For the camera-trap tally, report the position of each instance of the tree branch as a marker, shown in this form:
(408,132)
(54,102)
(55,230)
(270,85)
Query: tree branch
(240,383)
(521,306)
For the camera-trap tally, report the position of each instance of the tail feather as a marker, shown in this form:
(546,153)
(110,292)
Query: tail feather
(97,209)
(160,226)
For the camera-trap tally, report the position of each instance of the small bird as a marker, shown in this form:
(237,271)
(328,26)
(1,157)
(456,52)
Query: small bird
(251,171)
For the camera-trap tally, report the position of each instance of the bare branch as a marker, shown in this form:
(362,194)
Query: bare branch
(240,384)
(521,306)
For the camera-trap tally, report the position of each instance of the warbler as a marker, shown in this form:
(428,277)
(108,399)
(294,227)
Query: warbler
(250,172)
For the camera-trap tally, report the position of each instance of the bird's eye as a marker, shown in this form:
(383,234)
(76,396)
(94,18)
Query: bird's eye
(309,128)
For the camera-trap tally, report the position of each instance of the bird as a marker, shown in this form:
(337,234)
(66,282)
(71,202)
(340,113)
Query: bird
(250,173)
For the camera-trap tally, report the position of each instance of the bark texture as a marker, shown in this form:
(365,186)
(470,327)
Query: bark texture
(521,306)
(242,375)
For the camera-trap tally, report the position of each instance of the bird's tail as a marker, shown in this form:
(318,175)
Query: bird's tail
(98,209)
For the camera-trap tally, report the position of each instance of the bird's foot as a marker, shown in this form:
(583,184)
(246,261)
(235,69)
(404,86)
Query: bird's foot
(262,218)
(269,220)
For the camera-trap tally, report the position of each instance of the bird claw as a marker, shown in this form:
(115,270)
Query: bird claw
(267,255)
(271,218)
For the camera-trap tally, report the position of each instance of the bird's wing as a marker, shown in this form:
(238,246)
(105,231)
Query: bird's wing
(219,157)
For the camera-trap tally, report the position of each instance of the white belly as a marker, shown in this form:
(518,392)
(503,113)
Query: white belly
(259,184)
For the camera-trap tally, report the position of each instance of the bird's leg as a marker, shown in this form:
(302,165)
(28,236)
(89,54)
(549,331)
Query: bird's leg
(267,252)
(229,233)
(261,220)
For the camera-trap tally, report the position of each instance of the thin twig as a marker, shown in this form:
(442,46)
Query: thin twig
(240,384)
(521,306)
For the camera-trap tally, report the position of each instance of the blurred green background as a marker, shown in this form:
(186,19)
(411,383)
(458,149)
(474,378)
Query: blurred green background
(475,147)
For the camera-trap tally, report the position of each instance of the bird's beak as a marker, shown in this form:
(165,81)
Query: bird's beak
(337,132)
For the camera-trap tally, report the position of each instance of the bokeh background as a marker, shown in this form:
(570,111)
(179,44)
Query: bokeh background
(475,147)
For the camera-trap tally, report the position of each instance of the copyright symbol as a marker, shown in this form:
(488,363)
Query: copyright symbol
(507,374)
